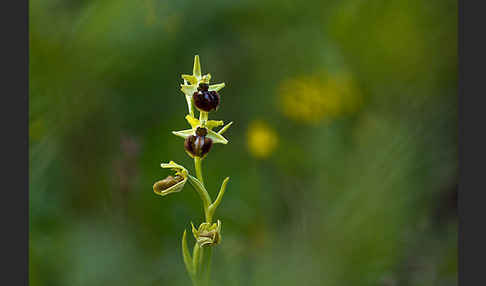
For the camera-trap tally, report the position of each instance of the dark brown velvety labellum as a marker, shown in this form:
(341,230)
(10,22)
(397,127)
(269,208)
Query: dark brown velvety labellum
(206,100)
(198,145)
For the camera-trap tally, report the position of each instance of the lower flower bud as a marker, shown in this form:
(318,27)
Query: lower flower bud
(207,234)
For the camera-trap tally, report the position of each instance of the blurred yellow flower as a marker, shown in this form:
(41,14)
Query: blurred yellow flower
(310,99)
(262,139)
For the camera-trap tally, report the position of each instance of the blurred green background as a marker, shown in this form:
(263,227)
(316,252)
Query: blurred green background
(342,157)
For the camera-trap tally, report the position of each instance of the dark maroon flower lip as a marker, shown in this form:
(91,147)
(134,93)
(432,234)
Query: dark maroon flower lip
(205,99)
(198,145)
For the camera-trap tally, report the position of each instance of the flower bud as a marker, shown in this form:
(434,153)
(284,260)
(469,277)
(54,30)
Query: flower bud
(207,234)
(204,99)
(198,145)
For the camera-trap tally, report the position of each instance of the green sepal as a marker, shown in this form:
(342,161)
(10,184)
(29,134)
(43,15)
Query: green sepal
(210,124)
(179,169)
(184,133)
(188,91)
(194,229)
(194,122)
(191,79)
(216,137)
(196,70)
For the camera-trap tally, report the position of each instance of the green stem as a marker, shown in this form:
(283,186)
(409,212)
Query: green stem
(195,259)
(194,280)
(202,263)
(198,167)
(207,267)
(203,117)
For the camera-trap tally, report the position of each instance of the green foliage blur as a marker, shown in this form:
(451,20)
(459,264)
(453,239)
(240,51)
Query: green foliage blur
(364,195)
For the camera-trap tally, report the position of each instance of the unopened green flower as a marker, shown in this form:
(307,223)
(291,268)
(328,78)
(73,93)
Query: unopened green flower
(207,234)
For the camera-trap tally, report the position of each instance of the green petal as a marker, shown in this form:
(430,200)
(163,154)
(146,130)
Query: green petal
(188,89)
(190,78)
(216,137)
(222,130)
(174,166)
(194,122)
(194,230)
(184,133)
(210,124)
(206,78)
(216,87)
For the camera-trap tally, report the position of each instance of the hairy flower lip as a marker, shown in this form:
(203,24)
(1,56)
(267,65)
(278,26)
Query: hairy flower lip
(197,145)
(206,100)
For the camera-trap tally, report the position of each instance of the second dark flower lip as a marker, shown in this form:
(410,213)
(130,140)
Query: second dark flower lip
(198,145)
